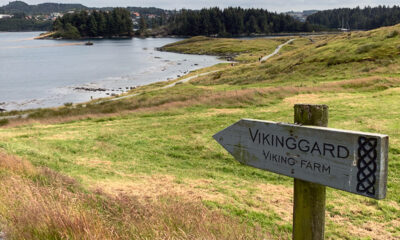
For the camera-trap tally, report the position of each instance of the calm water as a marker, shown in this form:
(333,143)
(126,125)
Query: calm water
(45,73)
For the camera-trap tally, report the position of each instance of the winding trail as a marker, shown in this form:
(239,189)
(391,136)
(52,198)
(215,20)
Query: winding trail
(190,78)
(167,86)
(265,58)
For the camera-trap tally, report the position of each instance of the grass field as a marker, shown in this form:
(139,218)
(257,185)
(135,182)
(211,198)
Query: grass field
(146,167)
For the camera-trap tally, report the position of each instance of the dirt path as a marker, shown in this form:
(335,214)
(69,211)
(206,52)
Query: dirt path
(167,86)
(265,58)
(190,78)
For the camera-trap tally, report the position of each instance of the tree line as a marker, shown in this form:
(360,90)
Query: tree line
(233,22)
(115,23)
(357,18)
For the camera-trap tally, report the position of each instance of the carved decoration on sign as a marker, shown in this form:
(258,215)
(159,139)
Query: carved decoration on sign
(367,155)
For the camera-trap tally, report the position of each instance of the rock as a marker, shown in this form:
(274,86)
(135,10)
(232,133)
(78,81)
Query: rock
(91,89)
(2,110)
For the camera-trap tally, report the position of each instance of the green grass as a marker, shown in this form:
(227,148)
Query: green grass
(161,140)
(248,50)
(123,150)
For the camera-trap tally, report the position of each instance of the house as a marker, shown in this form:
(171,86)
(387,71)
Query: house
(56,15)
(2,16)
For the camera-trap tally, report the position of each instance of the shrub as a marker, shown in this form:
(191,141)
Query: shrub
(366,48)
(392,34)
(4,122)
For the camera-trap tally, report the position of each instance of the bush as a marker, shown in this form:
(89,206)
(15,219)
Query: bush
(392,34)
(366,48)
(70,32)
(4,122)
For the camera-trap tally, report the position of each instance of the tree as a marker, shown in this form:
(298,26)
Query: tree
(71,32)
(142,25)
(57,25)
(92,26)
(252,26)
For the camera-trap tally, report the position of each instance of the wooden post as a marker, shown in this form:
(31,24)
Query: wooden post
(309,198)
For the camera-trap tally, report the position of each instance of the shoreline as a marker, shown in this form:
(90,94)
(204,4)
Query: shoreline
(114,97)
(105,87)
(47,36)
(25,113)
(116,93)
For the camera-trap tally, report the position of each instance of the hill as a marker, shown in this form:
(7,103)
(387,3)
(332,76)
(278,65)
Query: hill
(146,166)
(43,8)
(48,8)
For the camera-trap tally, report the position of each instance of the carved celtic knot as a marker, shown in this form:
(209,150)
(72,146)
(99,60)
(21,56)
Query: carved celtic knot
(366,165)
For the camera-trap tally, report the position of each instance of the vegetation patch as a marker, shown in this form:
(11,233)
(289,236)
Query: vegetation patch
(366,48)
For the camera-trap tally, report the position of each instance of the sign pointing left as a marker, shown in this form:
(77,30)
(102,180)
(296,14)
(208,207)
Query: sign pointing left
(352,161)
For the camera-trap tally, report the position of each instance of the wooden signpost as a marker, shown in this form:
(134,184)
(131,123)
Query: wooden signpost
(316,156)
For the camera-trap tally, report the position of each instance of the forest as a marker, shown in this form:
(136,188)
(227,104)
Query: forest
(357,18)
(233,22)
(115,23)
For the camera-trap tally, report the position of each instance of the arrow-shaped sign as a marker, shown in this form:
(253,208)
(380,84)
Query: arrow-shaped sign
(352,161)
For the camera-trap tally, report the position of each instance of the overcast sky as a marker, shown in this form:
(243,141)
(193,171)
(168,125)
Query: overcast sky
(271,5)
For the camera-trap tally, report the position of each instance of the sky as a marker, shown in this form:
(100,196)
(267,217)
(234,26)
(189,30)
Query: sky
(271,5)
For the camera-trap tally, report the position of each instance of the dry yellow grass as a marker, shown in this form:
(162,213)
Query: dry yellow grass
(43,204)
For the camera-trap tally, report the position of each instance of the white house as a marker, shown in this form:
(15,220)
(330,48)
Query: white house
(5,16)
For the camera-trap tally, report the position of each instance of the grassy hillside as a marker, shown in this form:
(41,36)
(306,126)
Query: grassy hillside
(147,167)
(246,49)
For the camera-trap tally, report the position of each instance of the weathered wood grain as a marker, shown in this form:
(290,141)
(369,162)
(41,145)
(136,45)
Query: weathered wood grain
(327,156)
(309,199)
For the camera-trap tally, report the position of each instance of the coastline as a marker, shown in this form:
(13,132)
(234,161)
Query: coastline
(26,113)
(126,94)
(47,35)
(120,92)
(159,68)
